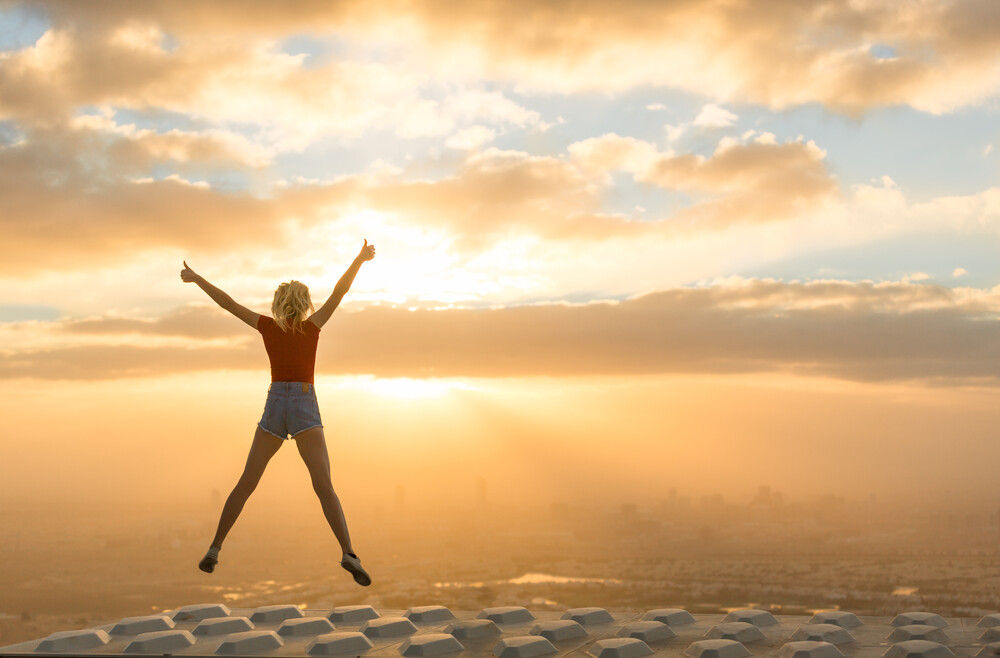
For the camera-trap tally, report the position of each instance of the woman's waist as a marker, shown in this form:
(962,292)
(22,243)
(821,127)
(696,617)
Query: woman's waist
(292,387)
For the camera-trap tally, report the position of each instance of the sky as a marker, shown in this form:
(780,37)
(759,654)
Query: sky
(622,248)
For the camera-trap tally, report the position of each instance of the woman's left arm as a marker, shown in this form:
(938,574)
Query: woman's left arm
(219,297)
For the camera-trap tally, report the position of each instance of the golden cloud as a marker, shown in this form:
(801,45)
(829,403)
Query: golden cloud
(62,211)
(774,52)
(855,331)
(742,181)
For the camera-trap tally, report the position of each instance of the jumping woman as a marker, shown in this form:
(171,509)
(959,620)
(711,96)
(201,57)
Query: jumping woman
(291,409)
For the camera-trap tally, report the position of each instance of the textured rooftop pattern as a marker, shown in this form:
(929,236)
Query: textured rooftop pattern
(514,632)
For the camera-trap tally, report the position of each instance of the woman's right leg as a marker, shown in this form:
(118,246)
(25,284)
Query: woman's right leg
(263,448)
(312,448)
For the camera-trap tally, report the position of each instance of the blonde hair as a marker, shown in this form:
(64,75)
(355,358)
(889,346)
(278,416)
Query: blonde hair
(291,302)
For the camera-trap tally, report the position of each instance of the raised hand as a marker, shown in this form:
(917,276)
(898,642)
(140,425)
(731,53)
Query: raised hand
(187,274)
(367,251)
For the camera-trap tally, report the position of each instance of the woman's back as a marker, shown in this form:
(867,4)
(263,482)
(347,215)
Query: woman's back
(292,353)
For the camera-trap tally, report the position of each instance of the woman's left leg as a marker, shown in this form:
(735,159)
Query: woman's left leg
(312,448)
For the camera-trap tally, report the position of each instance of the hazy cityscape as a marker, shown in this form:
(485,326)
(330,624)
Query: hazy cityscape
(71,567)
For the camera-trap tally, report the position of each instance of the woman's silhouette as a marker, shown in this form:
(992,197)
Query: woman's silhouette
(291,410)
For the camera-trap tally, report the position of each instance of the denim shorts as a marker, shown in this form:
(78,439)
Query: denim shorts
(291,408)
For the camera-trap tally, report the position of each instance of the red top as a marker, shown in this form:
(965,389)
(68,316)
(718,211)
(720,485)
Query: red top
(292,353)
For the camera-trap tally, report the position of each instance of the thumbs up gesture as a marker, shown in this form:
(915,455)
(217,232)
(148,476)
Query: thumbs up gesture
(367,251)
(187,274)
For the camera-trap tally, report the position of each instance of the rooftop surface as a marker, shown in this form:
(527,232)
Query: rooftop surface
(515,632)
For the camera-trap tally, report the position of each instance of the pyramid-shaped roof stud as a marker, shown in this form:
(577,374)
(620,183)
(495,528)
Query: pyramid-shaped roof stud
(716,649)
(161,642)
(473,629)
(752,616)
(523,646)
(619,647)
(822,633)
(429,613)
(589,616)
(740,631)
(809,649)
(147,624)
(647,631)
(431,644)
(927,618)
(339,643)
(201,612)
(670,616)
(270,614)
(73,641)
(840,618)
(249,642)
(508,614)
(918,649)
(559,630)
(223,626)
(388,627)
(352,614)
(918,632)
(305,626)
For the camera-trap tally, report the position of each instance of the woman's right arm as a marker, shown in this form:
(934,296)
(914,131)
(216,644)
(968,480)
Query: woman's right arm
(219,297)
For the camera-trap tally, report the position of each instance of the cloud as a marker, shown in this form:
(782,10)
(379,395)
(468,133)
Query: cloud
(199,322)
(769,52)
(856,331)
(713,116)
(773,53)
(758,181)
(471,138)
(214,78)
(496,193)
(426,118)
(71,199)
(143,148)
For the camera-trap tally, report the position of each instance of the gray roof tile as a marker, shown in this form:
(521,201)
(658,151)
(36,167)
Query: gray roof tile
(160,642)
(559,630)
(431,644)
(619,647)
(647,631)
(809,649)
(338,643)
(249,642)
(523,646)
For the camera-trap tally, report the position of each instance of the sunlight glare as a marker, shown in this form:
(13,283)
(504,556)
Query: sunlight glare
(403,388)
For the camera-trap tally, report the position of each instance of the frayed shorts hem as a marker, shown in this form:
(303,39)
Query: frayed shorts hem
(286,437)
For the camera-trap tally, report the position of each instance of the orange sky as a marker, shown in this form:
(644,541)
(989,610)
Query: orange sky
(635,246)
(595,440)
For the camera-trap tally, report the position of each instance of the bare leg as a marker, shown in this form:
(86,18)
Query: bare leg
(263,448)
(312,448)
